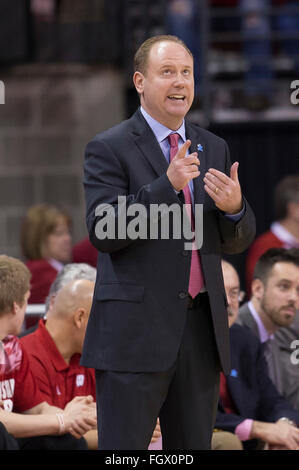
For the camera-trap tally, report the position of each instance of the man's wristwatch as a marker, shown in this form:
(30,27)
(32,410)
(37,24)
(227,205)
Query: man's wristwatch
(287,420)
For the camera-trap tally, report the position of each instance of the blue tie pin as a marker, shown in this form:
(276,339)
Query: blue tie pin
(234,373)
(200,147)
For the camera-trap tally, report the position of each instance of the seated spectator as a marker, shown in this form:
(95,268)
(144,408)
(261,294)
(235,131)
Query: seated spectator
(85,252)
(46,244)
(284,231)
(55,347)
(273,305)
(249,405)
(24,412)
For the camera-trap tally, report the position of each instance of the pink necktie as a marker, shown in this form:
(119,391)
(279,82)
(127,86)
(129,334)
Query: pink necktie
(196,280)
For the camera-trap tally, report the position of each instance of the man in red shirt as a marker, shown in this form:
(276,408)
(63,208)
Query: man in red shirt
(55,347)
(24,411)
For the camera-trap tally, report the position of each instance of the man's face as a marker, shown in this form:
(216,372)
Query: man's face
(279,296)
(59,242)
(167,88)
(232,290)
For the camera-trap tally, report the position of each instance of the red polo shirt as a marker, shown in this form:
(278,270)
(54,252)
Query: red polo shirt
(18,389)
(56,379)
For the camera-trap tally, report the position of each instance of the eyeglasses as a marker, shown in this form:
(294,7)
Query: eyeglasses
(236,294)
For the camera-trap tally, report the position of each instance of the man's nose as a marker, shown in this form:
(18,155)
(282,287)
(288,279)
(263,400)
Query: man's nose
(294,297)
(179,80)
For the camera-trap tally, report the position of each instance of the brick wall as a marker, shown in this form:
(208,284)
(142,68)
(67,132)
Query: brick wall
(49,115)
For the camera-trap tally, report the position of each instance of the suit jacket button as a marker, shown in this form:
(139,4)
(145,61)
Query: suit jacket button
(182,295)
(185,252)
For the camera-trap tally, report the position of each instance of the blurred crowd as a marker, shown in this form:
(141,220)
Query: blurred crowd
(258,22)
(101,32)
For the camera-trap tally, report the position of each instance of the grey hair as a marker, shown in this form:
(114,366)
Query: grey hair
(70,272)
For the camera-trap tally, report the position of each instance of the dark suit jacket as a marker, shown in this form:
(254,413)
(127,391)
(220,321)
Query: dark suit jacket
(253,394)
(140,300)
(288,373)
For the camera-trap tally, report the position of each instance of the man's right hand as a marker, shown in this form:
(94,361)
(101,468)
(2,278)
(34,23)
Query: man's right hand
(80,416)
(183,168)
(280,435)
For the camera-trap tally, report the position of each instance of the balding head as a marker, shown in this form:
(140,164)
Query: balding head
(232,290)
(67,319)
(73,296)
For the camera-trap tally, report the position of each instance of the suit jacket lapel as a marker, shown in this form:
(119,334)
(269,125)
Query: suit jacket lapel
(150,149)
(198,184)
(148,144)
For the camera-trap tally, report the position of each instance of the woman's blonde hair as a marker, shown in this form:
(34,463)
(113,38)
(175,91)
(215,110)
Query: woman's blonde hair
(39,222)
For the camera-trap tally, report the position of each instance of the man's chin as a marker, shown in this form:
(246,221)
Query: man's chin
(286,321)
(178,107)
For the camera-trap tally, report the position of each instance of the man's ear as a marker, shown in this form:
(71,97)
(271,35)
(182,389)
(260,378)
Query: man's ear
(15,308)
(52,300)
(79,317)
(257,288)
(138,79)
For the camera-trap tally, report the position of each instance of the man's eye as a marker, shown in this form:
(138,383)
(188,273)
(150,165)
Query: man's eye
(167,71)
(284,286)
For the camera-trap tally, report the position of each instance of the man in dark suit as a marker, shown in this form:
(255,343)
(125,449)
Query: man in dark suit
(273,306)
(157,334)
(250,405)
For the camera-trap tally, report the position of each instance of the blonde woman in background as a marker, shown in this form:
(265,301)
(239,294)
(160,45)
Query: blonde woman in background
(46,243)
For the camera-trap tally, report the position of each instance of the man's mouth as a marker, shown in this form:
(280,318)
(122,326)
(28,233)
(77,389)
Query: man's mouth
(289,310)
(176,97)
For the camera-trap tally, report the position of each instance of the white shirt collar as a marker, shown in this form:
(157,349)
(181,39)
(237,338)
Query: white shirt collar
(162,132)
(263,333)
(286,237)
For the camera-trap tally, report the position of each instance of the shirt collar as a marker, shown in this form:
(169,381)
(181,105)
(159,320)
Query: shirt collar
(56,264)
(286,237)
(263,333)
(162,132)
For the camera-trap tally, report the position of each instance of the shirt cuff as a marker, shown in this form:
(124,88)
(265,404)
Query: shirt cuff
(236,217)
(243,429)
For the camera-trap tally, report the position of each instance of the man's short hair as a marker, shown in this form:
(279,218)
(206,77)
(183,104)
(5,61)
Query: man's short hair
(14,283)
(71,272)
(272,256)
(287,190)
(142,54)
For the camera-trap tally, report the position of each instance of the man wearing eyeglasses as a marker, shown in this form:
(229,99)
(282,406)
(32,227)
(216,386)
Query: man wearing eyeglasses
(250,405)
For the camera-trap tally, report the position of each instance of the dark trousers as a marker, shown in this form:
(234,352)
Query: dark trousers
(185,397)
(7,442)
(65,442)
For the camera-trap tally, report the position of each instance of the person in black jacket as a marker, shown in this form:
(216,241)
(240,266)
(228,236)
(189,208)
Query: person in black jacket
(157,334)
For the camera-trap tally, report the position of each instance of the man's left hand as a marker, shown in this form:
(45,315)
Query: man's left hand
(224,190)
(157,432)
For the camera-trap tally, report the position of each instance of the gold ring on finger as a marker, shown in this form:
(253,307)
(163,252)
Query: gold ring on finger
(216,189)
